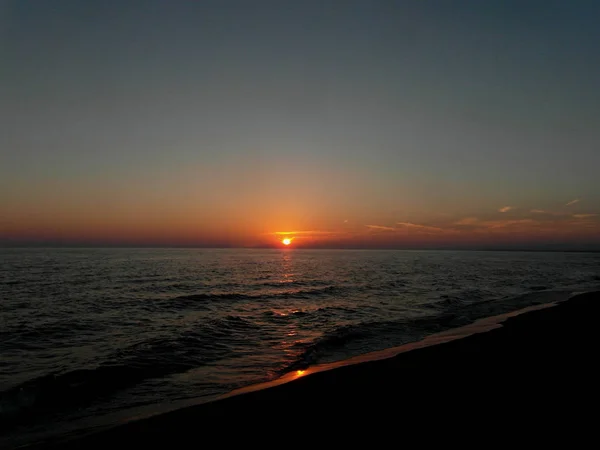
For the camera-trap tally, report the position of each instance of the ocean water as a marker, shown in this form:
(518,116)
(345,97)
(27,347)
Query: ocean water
(92,337)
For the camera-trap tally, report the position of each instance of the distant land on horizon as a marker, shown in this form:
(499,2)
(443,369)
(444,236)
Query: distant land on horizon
(557,247)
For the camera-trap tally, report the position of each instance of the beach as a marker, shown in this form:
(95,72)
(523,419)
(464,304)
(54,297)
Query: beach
(536,367)
(299,224)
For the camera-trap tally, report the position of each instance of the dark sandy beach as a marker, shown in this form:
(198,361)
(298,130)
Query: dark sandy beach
(538,369)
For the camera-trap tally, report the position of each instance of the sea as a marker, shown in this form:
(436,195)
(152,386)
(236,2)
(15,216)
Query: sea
(90,338)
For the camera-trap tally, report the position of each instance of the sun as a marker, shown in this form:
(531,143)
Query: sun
(286,241)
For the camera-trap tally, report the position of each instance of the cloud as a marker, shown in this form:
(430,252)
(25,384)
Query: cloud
(572,202)
(474,224)
(505,209)
(416,226)
(538,211)
(380,228)
(311,232)
(584,216)
(467,221)
(506,223)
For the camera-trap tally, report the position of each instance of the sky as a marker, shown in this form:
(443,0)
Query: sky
(384,124)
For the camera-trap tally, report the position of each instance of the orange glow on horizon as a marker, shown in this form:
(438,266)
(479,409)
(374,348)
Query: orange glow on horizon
(117,225)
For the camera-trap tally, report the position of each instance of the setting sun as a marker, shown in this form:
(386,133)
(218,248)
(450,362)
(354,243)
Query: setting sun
(286,241)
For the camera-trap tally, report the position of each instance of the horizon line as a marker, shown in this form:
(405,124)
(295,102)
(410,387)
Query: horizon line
(554,249)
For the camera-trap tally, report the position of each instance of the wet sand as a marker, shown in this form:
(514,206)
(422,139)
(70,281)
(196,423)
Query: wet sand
(535,372)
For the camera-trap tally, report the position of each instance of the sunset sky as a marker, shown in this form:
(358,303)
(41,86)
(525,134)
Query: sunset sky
(333,123)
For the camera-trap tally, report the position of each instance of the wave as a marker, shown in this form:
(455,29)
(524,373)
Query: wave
(270,295)
(148,280)
(368,336)
(538,288)
(363,336)
(70,389)
(325,311)
(280,284)
(149,359)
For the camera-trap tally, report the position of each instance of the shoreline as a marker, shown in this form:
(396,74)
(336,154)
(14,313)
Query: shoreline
(482,325)
(518,357)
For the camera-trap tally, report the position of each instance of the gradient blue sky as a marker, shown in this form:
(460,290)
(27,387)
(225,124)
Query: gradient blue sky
(375,123)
